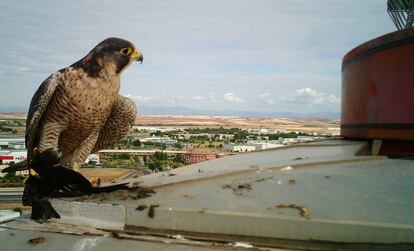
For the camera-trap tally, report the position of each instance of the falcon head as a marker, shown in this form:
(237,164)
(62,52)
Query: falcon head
(110,56)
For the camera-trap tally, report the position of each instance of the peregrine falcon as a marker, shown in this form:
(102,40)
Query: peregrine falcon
(78,109)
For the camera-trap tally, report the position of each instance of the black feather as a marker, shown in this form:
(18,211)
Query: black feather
(55,180)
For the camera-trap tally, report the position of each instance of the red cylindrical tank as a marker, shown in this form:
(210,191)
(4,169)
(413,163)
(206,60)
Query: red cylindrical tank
(378,89)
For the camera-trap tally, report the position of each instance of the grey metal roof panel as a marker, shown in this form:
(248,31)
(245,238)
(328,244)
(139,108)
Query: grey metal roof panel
(330,150)
(325,192)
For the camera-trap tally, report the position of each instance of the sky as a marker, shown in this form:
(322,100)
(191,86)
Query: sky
(262,55)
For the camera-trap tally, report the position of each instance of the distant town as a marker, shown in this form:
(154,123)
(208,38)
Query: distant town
(158,143)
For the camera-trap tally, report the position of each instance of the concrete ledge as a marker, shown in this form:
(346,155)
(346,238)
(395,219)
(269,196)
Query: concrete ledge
(269,226)
(6,215)
(102,216)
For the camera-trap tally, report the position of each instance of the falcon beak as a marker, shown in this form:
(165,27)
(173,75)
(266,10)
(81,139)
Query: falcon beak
(137,56)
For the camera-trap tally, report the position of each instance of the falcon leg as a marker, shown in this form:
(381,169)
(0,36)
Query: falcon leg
(75,166)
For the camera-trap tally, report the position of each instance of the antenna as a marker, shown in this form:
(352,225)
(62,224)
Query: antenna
(401,13)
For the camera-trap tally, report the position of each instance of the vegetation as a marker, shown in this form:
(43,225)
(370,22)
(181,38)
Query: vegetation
(220,130)
(18,209)
(7,129)
(11,180)
(276,136)
(161,161)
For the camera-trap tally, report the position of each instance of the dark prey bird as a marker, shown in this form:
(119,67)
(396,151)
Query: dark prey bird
(78,109)
(55,180)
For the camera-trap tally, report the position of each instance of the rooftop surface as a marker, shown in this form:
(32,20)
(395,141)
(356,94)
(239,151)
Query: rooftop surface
(309,196)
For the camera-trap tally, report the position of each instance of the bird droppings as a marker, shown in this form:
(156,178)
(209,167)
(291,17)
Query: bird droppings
(263,179)
(303,211)
(244,186)
(189,196)
(264,170)
(37,240)
(238,189)
(117,235)
(135,193)
(292,181)
(178,237)
(151,211)
(241,245)
(288,168)
(202,210)
(141,207)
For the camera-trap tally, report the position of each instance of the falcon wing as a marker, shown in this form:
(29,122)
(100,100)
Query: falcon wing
(119,123)
(38,105)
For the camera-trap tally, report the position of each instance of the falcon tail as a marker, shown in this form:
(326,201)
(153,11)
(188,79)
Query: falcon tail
(75,191)
(43,210)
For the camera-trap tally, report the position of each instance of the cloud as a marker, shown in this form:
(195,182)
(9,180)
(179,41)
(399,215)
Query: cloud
(198,97)
(210,98)
(144,99)
(313,97)
(235,45)
(232,97)
(266,98)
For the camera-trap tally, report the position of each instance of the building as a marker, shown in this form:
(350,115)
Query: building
(264,144)
(238,148)
(160,140)
(12,156)
(305,139)
(199,157)
(94,157)
(154,129)
(288,141)
(224,136)
(17,145)
(6,142)
(260,131)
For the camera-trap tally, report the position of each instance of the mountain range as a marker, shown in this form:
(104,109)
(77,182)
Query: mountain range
(182,110)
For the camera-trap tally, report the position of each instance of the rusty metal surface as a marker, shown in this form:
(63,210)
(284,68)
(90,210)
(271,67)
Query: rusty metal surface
(378,88)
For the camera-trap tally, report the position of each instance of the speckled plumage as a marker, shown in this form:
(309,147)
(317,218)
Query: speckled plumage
(78,109)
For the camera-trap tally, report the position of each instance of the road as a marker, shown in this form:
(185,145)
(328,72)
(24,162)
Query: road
(11,194)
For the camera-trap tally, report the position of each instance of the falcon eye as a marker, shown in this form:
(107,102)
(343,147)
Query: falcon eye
(125,51)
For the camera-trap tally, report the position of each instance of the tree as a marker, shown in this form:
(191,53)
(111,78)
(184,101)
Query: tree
(178,145)
(160,156)
(155,165)
(137,142)
(241,135)
(274,136)
(123,156)
(179,158)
